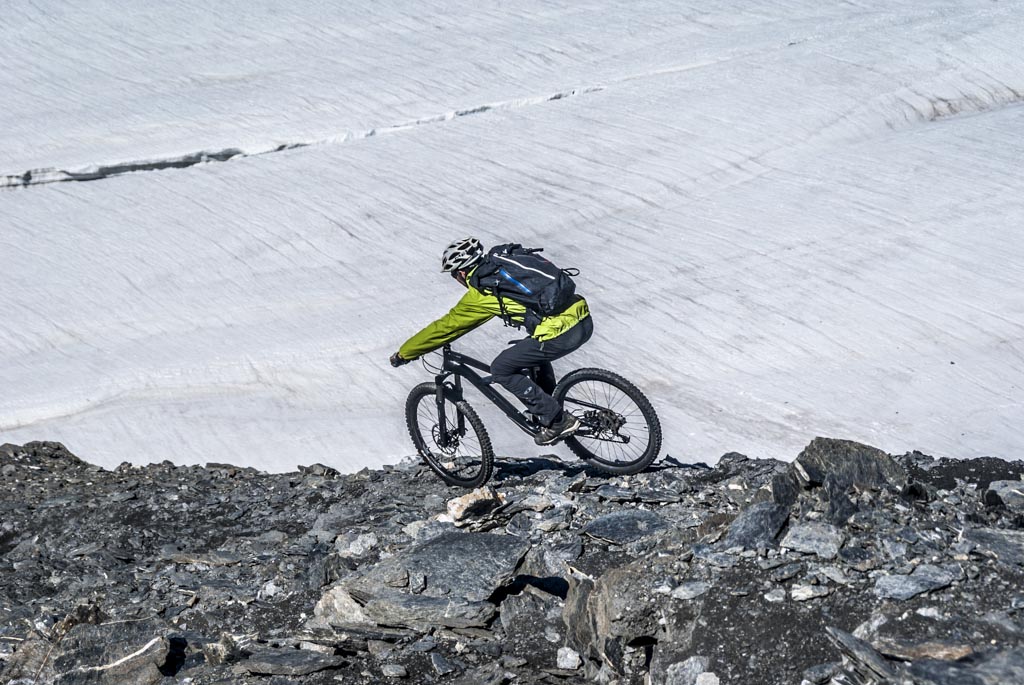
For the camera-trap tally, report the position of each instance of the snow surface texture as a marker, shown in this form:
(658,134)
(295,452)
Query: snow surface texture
(791,219)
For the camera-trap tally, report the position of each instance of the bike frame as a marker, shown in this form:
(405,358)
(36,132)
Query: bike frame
(458,366)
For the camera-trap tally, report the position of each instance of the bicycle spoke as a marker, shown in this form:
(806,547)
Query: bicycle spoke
(461,457)
(619,436)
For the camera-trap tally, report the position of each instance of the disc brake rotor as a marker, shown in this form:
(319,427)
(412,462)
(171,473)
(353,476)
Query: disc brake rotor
(605,421)
(453,441)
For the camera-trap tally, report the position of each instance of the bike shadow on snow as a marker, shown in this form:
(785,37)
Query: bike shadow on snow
(524,467)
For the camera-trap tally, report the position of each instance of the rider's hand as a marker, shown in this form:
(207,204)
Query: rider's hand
(396,360)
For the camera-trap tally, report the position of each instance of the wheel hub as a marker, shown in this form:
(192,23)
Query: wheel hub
(605,420)
(453,441)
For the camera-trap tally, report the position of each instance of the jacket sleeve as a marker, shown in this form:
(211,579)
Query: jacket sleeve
(468,313)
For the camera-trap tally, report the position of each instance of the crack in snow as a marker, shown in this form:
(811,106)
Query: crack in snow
(922,107)
(34,177)
(911,106)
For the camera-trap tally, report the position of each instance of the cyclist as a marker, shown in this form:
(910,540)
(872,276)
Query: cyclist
(550,337)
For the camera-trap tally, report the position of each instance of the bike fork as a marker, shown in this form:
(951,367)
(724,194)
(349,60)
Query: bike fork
(452,391)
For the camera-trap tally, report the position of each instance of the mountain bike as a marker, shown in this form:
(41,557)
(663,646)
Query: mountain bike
(619,432)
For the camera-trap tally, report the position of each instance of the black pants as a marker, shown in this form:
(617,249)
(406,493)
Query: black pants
(511,369)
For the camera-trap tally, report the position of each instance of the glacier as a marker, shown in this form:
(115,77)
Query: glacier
(217,221)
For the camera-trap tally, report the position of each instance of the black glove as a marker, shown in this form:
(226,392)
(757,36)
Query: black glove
(397,361)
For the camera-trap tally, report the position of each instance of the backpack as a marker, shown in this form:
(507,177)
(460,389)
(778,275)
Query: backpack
(522,275)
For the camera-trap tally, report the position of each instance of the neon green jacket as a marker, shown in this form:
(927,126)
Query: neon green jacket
(476,308)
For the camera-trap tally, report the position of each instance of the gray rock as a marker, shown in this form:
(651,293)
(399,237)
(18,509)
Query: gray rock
(214,558)
(338,608)
(756,526)
(319,470)
(1006,546)
(227,649)
(30,662)
(102,654)
(820,674)
(454,574)
(802,593)
(338,519)
(424,644)
(894,549)
(473,504)
(850,463)
(604,616)
(293,662)
(822,539)
(923,578)
(468,566)
(622,527)
(784,573)
(355,544)
(840,506)
(420,612)
(687,672)
(858,558)
(394,671)
(491,674)
(691,590)
(1010,493)
(234,551)
(549,558)
(441,665)
(615,494)
(568,659)
(526,619)
(996,668)
(717,559)
(867,664)
(785,489)
(835,574)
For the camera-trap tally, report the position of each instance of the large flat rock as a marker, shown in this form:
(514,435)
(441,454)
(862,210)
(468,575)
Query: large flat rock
(629,525)
(1006,546)
(848,462)
(468,566)
(445,581)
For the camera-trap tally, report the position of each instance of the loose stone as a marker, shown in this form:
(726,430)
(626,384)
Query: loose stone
(569,659)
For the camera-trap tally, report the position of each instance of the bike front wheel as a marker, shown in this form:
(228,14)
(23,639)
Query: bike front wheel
(620,432)
(461,452)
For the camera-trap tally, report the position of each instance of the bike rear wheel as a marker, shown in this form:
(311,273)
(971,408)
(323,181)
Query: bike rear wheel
(620,432)
(463,457)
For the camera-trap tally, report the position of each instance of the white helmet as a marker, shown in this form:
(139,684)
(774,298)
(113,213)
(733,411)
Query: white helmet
(461,254)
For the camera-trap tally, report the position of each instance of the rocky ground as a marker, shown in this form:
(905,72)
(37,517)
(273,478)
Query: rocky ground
(848,566)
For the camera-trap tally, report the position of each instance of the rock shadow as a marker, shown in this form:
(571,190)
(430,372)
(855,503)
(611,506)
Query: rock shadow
(505,469)
(508,468)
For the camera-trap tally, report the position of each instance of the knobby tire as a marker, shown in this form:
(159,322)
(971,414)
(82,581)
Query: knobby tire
(609,391)
(422,425)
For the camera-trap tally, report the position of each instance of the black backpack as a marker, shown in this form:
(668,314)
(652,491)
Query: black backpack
(521,274)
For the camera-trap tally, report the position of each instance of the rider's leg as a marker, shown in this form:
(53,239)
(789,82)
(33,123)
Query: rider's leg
(546,377)
(510,369)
